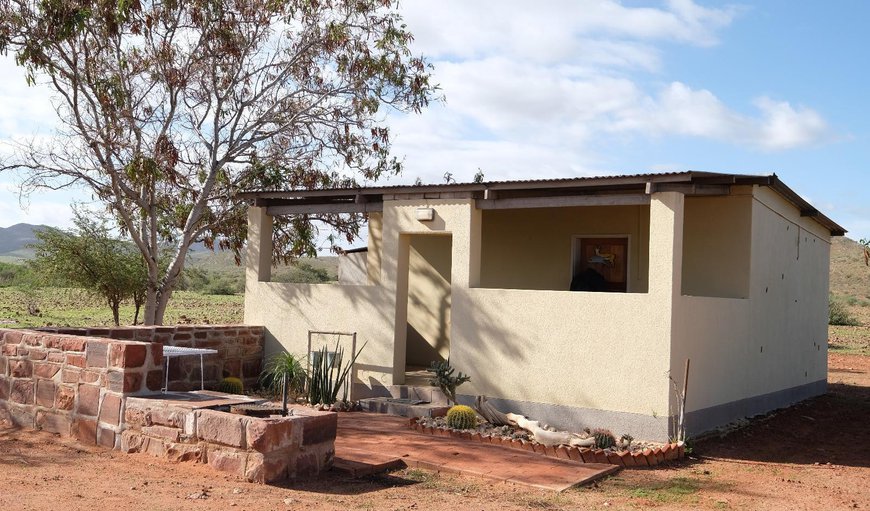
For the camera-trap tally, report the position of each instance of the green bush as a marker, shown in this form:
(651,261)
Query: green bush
(839,315)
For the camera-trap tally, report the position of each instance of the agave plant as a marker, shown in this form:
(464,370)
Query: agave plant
(328,375)
(284,373)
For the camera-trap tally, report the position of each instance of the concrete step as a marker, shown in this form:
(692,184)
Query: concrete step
(403,408)
(356,463)
(427,394)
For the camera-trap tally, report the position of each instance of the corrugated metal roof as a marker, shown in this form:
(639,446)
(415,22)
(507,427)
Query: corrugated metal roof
(632,183)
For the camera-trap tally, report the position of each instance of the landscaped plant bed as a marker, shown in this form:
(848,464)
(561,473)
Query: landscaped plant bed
(639,454)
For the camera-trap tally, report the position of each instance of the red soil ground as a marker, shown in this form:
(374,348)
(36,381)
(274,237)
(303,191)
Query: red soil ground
(813,456)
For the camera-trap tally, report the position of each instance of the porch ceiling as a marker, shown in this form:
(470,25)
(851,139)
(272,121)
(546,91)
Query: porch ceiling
(580,191)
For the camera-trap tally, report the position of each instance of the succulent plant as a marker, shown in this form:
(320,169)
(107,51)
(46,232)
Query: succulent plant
(604,439)
(231,385)
(461,417)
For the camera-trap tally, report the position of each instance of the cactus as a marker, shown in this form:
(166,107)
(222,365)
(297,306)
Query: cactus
(604,439)
(461,417)
(231,385)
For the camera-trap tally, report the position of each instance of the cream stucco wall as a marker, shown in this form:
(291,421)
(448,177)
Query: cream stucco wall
(353,268)
(717,243)
(532,248)
(775,339)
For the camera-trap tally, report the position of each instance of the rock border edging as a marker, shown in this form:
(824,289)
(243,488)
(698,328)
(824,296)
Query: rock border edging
(625,459)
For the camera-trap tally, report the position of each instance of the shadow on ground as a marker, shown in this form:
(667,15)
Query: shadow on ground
(832,428)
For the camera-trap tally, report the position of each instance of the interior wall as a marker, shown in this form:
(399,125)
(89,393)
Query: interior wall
(717,244)
(429,265)
(532,248)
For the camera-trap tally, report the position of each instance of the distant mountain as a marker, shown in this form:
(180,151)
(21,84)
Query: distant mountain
(14,241)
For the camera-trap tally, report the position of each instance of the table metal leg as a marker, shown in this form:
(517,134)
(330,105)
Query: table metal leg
(166,384)
(201,375)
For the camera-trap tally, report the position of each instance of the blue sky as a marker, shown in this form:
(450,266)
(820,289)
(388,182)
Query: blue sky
(592,87)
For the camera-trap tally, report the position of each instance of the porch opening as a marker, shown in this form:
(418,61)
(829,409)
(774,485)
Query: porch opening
(584,248)
(428,316)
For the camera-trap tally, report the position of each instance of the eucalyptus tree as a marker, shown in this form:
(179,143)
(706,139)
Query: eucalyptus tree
(167,108)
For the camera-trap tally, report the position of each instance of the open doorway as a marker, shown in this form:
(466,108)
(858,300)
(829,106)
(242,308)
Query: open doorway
(428,311)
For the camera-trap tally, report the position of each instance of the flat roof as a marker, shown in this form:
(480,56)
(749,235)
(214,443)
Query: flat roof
(494,194)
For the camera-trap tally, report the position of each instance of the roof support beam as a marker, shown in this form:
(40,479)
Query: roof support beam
(322,209)
(688,189)
(564,201)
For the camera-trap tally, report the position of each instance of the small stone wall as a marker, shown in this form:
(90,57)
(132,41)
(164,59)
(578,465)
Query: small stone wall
(73,385)
(257,449)
(240,350)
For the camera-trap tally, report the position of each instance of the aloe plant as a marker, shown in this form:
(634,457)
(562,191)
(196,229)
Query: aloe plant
(328,375)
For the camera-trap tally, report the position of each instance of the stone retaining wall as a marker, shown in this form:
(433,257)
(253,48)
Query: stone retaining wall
(240,350)
(257,449)
(74,385)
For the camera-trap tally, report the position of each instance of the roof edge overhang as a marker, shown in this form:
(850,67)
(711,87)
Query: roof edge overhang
(605,190)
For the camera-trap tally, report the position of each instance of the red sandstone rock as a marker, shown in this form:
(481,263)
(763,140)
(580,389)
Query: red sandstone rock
(53,422)
(227,460)
(171,434)
(71,376)
(97,353)
(65,397)
(76,360)
(105,438)
(265,435)
(615,459)
(22,391)
(45,369)
(221,428)
(320,428)
(89,400)
(85,430)
(21,369)
(45,393)
(110,412)
(587,455)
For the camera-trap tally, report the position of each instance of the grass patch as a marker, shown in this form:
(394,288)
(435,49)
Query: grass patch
(35,307)
(678,489)
(849,339)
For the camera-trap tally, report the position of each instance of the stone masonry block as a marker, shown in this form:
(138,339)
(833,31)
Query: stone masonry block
(319,428)
(22,391)
(221,428)
(265,435)
(85,430)
(45,369)
(45,390)
(165,432)
(12,336)
(5,388)
(21,369)
(105,437)
(154,380)
(73,359)
(110,411)
(65,397)
(89,400)
(53,422)
(226,460)
(97,354)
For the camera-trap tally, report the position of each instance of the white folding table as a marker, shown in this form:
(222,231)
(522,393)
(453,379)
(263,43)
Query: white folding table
(177,351)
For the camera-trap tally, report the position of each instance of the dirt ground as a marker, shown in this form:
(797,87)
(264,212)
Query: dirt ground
(813,456)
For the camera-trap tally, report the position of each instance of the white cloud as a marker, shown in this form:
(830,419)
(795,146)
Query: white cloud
(535,91)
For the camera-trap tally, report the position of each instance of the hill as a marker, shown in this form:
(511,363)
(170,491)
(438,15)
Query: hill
(850,277)
(14,240)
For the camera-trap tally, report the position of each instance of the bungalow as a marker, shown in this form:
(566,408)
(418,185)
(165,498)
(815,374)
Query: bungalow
(573,301)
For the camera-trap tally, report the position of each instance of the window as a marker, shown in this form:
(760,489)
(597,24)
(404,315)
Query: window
(600,264)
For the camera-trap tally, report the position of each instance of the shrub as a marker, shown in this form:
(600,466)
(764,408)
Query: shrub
(839,315)
(328,375)
(461,417)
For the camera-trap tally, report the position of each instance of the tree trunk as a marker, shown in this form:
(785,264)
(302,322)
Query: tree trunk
(115,305)
(138,305)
